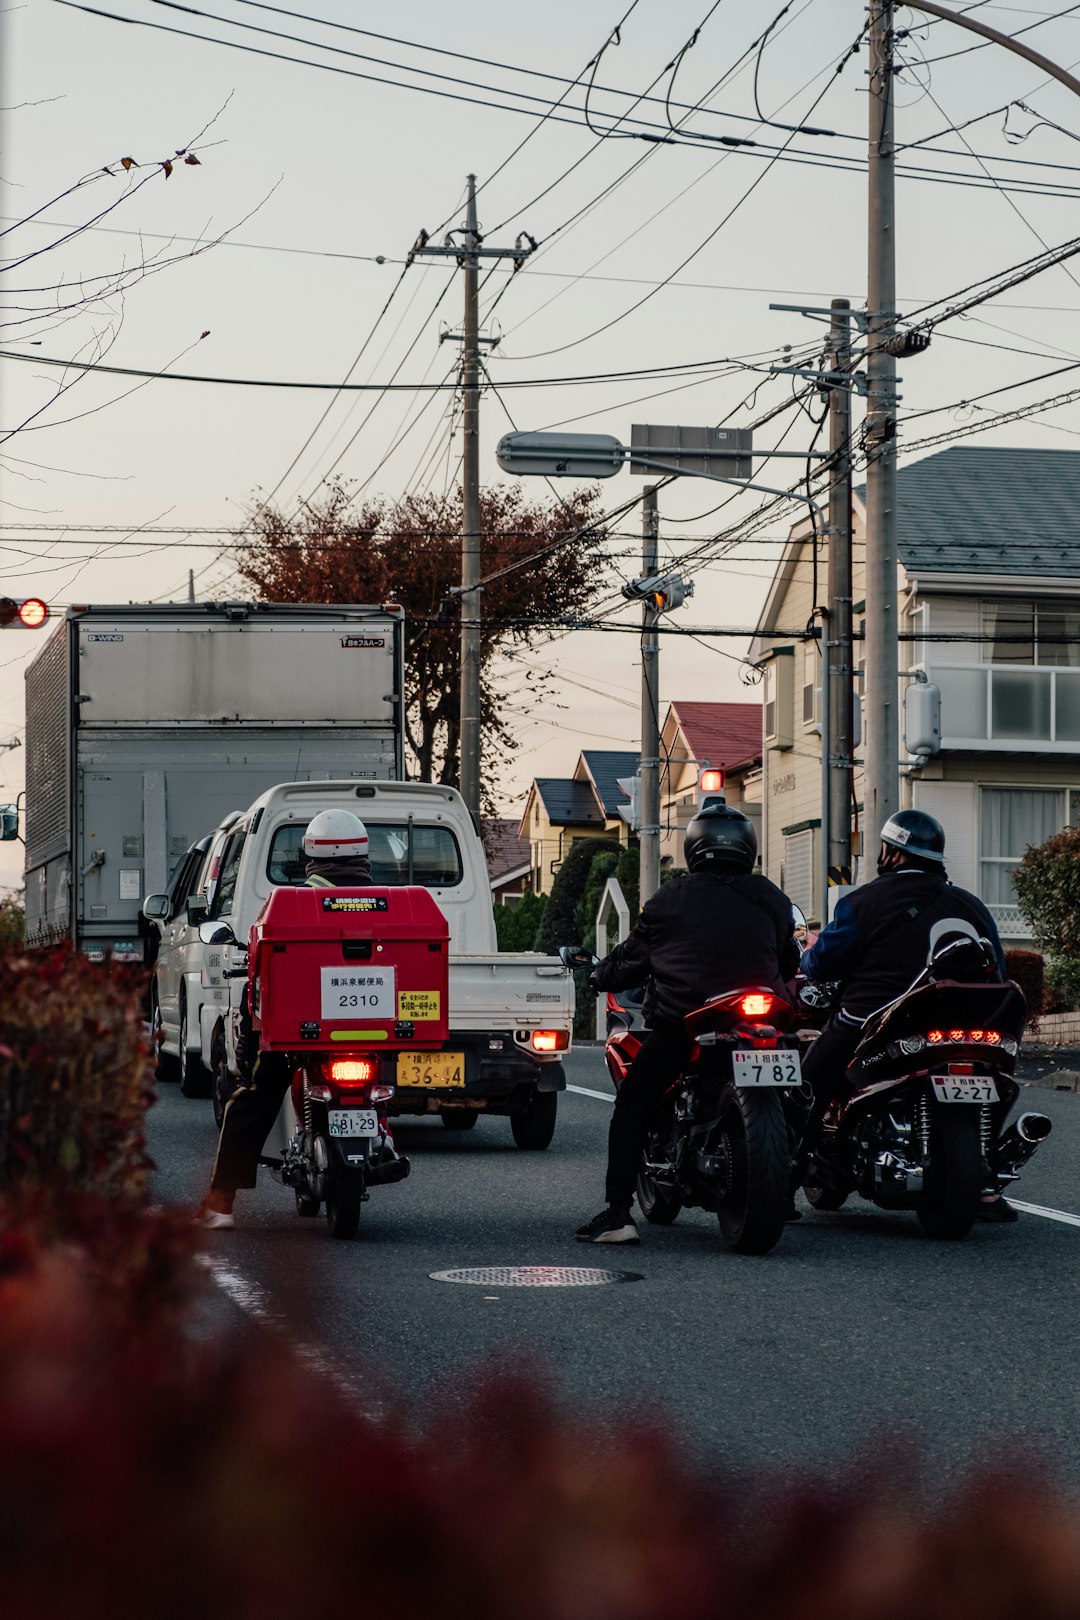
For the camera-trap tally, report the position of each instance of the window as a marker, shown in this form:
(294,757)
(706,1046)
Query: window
(1031,633)
(779,698)
(1013,820)
(230,866)
(409,852)
(798,882)
(810,688)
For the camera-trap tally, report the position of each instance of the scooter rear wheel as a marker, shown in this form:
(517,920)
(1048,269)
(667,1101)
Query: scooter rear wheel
(950,1201)
(344,1201)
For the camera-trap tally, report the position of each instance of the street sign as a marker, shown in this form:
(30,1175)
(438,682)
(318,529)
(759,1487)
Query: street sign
(722,452)
(560,455)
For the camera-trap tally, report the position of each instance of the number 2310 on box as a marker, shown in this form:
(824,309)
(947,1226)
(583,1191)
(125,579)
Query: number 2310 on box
(357,993)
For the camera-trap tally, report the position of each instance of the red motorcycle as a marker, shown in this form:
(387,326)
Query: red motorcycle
(722,1137)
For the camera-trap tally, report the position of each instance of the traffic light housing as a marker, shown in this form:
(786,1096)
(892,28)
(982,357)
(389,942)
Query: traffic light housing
(27,613)
(710,786)
(662,591)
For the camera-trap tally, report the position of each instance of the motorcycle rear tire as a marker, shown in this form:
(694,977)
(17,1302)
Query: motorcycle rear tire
(344,1201)
(950,1201)
(753,1214)
(658,1206)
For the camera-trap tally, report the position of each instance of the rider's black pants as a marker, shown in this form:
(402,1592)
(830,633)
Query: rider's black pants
(658,1065)
(823,1070)
(249,1118)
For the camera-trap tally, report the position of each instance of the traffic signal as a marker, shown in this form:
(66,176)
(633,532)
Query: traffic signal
(662,591)
(28,614)
(710,786)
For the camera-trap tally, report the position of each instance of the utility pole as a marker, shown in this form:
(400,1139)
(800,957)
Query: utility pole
(649,798)
(468,253)
(836,631)
(881,698)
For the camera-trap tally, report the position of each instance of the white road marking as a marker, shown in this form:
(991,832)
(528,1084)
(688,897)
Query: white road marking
(583,1091)
(1028,1209)
(1047,1214)
(255,1302)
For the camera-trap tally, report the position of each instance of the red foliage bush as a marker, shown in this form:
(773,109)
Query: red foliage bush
(76,1081)
(233,1483)
(1027,968)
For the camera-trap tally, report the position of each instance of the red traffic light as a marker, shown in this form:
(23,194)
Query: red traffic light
(28,614)
(710,781)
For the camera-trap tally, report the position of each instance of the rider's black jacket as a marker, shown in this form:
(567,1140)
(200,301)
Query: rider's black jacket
(879,938)
(700,935)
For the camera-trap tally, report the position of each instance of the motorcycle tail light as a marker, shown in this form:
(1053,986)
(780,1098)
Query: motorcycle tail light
(976,1035)
(993,1037)
(354,1071)
(935,1036)
(756,1006)
(956,1034)
(550,1040)
(961,1068)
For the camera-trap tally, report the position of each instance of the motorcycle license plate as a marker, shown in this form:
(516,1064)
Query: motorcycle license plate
(952,1088)
(435,1069)
(353,1122)
(768,1067)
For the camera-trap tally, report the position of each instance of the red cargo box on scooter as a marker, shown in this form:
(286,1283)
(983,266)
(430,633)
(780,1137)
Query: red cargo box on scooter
(349,967)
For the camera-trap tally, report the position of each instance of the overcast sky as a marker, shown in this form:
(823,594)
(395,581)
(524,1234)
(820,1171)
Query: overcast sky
(316,174)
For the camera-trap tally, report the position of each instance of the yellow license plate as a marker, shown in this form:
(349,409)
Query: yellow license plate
(431,1069)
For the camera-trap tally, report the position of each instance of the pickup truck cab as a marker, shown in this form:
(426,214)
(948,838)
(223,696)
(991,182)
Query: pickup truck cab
(511,1016)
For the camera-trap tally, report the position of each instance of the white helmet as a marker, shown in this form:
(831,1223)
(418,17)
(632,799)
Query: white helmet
(333,834)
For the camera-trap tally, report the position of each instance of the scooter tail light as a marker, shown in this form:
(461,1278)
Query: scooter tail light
(353,1071)
(935,1036)
(550,1040)
(756,1006)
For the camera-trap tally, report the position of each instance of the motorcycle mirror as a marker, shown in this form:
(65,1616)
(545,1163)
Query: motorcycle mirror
(576,956)
(798,924)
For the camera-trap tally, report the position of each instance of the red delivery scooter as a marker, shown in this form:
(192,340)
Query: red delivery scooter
(340,980)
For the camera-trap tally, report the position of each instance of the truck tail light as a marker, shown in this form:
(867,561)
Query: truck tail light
(550,1040)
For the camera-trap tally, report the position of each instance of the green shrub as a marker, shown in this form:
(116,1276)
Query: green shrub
(1048,893)
(561,919)
(12,920)
(517,926)
(1062,985)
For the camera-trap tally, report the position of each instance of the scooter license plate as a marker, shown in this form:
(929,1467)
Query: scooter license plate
(353,1122)
(768,1066)
(951,1088)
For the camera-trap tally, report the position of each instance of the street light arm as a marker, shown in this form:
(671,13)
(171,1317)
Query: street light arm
(1062,75)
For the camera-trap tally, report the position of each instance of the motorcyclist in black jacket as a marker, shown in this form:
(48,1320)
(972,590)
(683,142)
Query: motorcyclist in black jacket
(876,944)
(714,930)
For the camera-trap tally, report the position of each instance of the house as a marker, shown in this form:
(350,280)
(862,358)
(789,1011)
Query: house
(989,593)
(696,734)
(508,862)
(560,810)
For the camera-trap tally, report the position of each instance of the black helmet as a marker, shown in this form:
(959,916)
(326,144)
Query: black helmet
(720,839)
(915,833)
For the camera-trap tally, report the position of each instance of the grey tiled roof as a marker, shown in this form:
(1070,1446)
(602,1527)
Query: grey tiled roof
(605,766)
(569,803)
(988,509)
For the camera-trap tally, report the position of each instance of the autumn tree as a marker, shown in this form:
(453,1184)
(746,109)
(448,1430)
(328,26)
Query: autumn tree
(538,558)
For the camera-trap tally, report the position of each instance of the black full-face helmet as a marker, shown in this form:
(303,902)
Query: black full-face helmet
(914,834)
(720,839)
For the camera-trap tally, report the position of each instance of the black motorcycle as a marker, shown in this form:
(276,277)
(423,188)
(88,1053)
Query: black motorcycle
(927,1093)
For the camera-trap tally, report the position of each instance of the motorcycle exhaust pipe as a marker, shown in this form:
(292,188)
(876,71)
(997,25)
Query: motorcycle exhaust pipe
(1016,1145)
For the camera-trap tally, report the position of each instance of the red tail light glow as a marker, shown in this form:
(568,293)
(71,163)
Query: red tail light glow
(756,1006)
(956,1034)
(935,1036)
(550,1040)
(353,1071)
(964,1037)
(993,1037)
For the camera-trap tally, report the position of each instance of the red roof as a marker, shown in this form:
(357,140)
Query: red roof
(726,734)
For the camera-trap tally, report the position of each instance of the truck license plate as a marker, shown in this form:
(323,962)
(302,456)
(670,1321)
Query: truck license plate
(767,1067)
(431,1069)
(949,1088)
(353,1122)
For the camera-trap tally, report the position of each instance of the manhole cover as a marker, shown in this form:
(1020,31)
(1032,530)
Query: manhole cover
(536,1276)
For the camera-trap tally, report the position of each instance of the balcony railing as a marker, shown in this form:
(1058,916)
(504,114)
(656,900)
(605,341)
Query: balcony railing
(1009,707)
(1011,924)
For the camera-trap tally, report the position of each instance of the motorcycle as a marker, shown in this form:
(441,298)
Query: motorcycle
(927,1093)
(722,1137)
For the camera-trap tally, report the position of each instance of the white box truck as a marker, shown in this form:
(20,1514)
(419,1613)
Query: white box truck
(146,724)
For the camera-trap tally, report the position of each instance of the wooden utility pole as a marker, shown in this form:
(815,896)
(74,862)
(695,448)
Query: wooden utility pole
(649,792)
(837,630)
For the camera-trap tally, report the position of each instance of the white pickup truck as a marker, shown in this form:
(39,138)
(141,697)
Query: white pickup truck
(511,1016)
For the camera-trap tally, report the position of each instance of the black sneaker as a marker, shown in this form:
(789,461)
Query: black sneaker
(610,1226)
(997,1209)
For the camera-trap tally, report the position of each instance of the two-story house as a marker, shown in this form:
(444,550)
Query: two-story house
(560,810)
(989,592)
(698,733)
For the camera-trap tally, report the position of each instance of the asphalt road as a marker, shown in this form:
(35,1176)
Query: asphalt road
(855,1329)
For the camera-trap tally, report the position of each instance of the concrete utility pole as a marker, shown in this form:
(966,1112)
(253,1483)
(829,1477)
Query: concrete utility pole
(881,698)
(837,629)
(468,254)
(649,796)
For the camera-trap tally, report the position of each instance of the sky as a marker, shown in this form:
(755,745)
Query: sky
(263,264)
